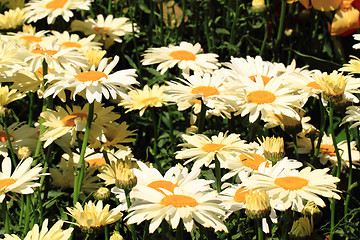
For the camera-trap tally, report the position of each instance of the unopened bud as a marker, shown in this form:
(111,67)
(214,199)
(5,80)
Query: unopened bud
(102,194)
(116,236)
(257,204)
(23,152)
(301,229)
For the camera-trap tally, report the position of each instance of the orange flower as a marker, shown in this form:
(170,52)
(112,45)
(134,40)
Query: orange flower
(346,20)
(325,5)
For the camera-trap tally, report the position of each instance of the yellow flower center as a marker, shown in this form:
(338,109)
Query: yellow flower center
(179,201)
(252,160)
(183,55)
(31,39)
(71,44)
(314,85)
(90,76)
(70,119)
(212,147)
(291,183)
(43,52)
(103,30)
(157,185)
(261,97)
(3,137)
(6,182)
(240,195)
(55,4)
(205,90)
(264,78)
(96,162)
(150,101)
(328,149)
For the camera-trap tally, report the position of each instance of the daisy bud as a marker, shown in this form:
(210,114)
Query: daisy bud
(257,204)
(116,236)
(301,229)
(273,148)
(126,180)
(23,152)
(333,85)
(258,6)
(312,211)
(102,194)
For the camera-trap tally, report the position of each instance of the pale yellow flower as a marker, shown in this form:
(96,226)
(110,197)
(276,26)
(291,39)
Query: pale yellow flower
(12,19)
(54,233)
(94,216)
(114,136)
(7,96)
(142,99)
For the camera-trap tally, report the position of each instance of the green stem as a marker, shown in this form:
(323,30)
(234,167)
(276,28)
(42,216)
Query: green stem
(286,220)
(6,216)
(265,24)
(295,147)
(131,226)
(107,160)
(201,117)
(206,27)
(31,103)
(346,209)
(22,204)
(281,26)
(218,174)
(322,129)
(233,30)
(338,168)
(106,232)
(155,122)
(44,108)
(81,172)
(162,23)
(27,214)
(260,232)
(13,157)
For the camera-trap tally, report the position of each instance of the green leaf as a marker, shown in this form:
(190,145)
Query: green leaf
(222,31)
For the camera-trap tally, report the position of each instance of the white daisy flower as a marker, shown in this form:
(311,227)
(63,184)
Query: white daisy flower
(289,188)
(62,121)
(259,98)
(203,150)
(11,58)
(20,134)
(186,56)
(248,162)
(39,9)
(30,37)
(55,57)
(216,94)
(67,40)
(21,180)
(109,29)
(201,206)
(250,67)
(327,150)
(94,83)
